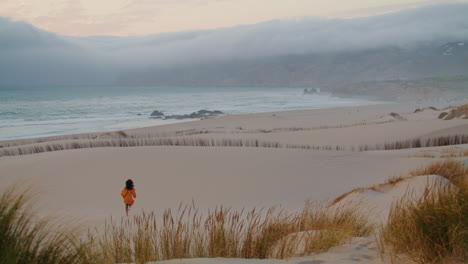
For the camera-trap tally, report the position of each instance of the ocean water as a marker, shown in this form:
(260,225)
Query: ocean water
(41,111)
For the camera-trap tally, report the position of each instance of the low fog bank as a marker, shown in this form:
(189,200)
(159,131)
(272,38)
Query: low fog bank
(317,49)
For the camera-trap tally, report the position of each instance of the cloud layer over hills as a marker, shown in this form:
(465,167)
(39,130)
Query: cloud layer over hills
(33,56)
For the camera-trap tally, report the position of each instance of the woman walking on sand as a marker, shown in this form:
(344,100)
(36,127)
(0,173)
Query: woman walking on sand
(128,193)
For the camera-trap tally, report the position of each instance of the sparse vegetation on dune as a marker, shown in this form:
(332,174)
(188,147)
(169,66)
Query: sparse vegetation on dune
(131,141)
(227,233)
(93,136)
(25,238)
(433,229)
(418,143)
(445,153)
(459,112)
(167,134)
(138,142)
(425,108)
(454,152)
(223,232)
(452,170)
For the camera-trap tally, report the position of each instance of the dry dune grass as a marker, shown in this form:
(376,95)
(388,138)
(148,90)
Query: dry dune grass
(25,238)
(119,133)
(91,136)
(433,229)
(137,142)
(176,133)
(425,108)
(227,233)
(459,112)
(452,152)
(241,130)
(123,140)
(426,153)
(186,233)
(418,143)
(452,170)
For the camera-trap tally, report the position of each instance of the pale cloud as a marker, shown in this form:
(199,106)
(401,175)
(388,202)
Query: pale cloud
(101,59)
(78,20)
(386,8)
(141,17)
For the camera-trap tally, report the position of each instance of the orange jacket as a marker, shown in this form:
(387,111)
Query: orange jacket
(128,195)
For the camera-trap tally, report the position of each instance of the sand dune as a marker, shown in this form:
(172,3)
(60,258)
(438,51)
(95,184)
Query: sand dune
(376,202)
(85,183)
(359,250)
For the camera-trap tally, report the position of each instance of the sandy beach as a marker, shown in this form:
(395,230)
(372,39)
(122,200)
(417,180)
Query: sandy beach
(84,184)
(233,132)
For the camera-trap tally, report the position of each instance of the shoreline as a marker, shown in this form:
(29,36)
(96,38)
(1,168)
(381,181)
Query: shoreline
(371,100)
(371,113)
(172,122)
(60,126)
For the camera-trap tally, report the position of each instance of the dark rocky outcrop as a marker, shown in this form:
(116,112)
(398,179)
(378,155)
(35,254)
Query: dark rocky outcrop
(311,91)
(208,112)
(157,113)
(200,114)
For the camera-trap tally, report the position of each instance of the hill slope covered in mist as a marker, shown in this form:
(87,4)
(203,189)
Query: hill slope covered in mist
(306,52)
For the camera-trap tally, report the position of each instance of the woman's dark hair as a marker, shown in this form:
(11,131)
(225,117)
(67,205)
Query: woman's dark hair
(129,184)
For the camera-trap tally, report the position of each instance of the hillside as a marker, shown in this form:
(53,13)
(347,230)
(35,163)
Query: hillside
(309,70)
(335,54)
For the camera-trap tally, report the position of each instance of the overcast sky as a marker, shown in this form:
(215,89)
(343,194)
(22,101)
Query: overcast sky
(142,17)
(29,55)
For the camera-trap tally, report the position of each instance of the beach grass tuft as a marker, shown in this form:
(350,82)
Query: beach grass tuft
(223,232)
(432,229)
(26,238)
(418,143)
(452,170)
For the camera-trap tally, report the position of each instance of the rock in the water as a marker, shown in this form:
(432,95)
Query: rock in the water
(199,114)
(312,91)
(157,113)
(204,112)
(177,117)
